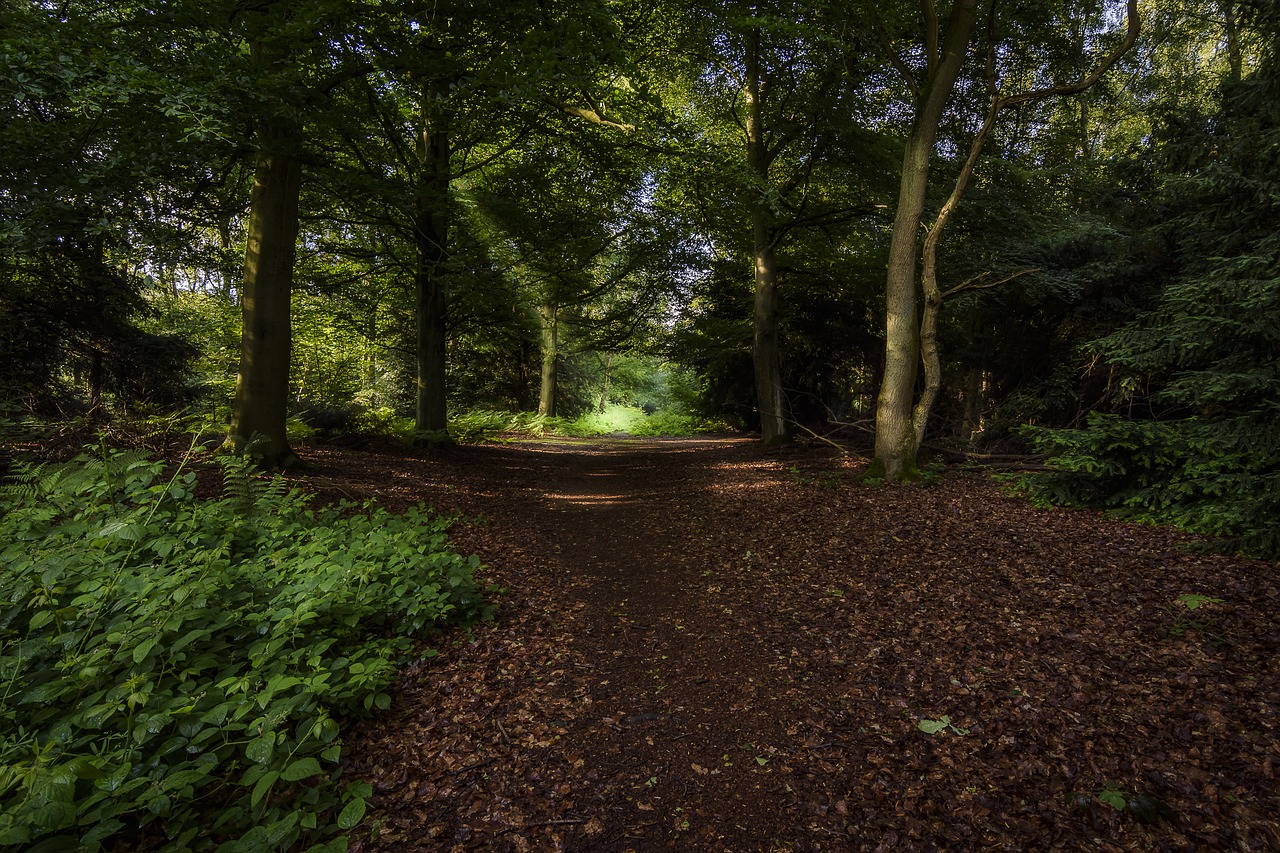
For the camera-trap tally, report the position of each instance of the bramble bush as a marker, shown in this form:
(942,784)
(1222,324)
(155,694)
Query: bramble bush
(174,669)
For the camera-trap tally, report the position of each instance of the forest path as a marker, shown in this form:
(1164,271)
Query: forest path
(706,647)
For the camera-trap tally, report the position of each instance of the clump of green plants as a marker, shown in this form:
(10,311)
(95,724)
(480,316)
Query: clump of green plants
(1183,607)
(175,668)
(482,425)
(1216,479)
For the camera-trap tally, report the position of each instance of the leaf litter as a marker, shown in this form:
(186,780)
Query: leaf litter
(703,646)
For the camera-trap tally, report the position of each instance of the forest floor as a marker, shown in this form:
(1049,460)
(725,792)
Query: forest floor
(707,647)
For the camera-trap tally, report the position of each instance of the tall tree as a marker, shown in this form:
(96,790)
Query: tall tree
(945,47)
(775,110)
(89,144)
(294,71)
(458,86)
(901,420)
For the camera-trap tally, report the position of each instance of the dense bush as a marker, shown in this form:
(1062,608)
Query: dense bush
(1194,434)
(175,668)
(1207,477)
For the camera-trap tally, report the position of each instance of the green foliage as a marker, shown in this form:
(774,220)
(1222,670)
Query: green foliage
(483,425)
(1193,381)
(176,667)
(1113,796)
(933,727)
(1182,608)
(1212,477)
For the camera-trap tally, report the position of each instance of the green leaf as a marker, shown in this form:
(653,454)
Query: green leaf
(1113,798)
(932,727)
(303,768)
(352,814)
(56,844)
(260,749)
(262,787)
(118,529)
(143,649)
(1195,602)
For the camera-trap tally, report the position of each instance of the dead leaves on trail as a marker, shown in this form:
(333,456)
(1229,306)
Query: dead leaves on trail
(707,647)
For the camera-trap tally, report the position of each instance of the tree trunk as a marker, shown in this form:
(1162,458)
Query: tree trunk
(770,400)
(95,380)
(548,317)
(1231,28)
(604,392)
(262,385)
(896,441)
(895,447)
(973,404)
(930,355)
(431,234)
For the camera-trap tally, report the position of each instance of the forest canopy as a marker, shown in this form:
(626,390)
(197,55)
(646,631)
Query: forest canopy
(934,229)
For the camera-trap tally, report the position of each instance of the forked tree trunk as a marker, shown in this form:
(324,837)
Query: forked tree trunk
(262,384)
(896,442)
(933,294)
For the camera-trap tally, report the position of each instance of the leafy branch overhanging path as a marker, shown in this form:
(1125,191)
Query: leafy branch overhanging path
(706,647)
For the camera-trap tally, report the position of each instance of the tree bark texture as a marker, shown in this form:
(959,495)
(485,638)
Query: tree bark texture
(896,442)
(770,399)
(604,392)
(548,317)
(431,235)
(262,384)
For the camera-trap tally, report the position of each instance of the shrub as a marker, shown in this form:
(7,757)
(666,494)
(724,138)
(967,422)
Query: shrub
(175,668)
(1218,478)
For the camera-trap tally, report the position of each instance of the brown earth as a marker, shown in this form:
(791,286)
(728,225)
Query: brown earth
(706,647)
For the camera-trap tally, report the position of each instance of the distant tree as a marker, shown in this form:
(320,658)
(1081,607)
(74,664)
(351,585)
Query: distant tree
(776,120)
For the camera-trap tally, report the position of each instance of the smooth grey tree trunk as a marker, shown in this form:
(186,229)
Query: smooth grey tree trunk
(896,444)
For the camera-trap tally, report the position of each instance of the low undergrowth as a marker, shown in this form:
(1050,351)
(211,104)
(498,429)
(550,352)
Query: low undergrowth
(1217,478)
(176,668)
(483,425)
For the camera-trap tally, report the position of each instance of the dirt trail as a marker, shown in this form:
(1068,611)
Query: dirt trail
(709,648)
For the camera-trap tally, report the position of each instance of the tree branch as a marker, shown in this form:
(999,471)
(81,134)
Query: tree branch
(588,114)
(976,282)
(1132,26)
(896,61)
